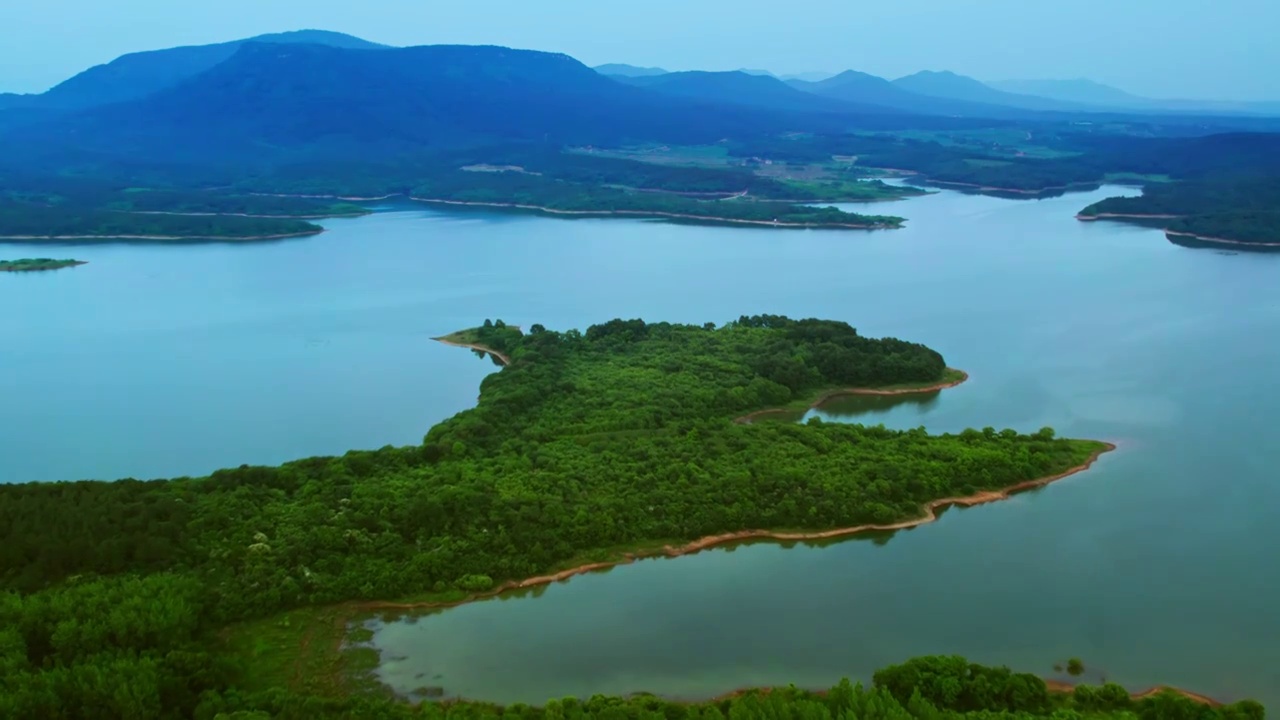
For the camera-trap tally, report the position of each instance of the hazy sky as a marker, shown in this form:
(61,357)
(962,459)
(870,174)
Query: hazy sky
(1161,48)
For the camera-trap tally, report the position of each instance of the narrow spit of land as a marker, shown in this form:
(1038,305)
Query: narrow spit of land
(37,264)
(887,224)
(929,514)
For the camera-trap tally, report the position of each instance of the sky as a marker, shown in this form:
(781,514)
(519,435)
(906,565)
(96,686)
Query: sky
(1158,48)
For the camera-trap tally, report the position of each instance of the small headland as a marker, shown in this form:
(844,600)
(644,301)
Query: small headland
(494,337)
(37,264)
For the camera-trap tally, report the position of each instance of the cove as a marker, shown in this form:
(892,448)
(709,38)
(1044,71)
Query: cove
(1156,566)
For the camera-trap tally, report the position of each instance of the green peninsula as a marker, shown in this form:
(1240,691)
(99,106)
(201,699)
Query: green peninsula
(37,264)
(1238,212)
(585,446)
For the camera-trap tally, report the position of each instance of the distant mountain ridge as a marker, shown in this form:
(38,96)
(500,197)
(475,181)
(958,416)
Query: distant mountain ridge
(1078,90)
(1083,90)
(952,86)
(307,100)
(136,75)
(743,88)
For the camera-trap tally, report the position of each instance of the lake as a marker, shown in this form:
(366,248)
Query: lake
(1157,566)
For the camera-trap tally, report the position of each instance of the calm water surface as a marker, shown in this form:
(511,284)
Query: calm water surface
(1159,565)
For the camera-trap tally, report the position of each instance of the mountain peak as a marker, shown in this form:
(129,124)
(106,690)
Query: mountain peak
(139,74)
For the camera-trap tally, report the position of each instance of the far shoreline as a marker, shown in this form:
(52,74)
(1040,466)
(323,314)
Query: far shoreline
(702,219)
(164,238)
(925,179)
(1126,216)
(326,216)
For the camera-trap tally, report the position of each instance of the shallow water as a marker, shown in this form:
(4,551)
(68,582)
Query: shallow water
(1157,566)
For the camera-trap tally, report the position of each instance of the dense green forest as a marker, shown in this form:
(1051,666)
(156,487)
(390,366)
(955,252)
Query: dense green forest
(219,203)
(36,264)
(619,436)
(48,206)
(1261,228)
(1197,197)
(1240,209)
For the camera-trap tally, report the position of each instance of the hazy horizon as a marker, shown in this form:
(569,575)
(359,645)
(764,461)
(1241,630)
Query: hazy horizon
(1140,47)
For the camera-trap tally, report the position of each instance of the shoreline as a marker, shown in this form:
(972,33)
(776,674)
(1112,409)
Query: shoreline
(929,514)
(660,215)
(249,215)
(1054,686)
(1126,216)
(832,394)
(224,238)
(1059,686)
(989,188)
(1170,234)
(502,357)
(352,198)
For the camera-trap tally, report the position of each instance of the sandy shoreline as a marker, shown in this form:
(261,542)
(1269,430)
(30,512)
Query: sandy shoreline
(929,513)
(352,198)
(224,238)
(657,214)
(1063,687)
(1223,241)
(1125,216)
(502,357)
(247,215)
(825,397)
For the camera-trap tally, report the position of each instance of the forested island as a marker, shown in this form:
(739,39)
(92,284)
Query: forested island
(37,264)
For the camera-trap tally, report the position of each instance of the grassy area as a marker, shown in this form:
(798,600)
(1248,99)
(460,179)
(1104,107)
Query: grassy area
(1006,141)
(1136,178)
(807,177)
(844,190)
(686,155)
(300,649)
(980,162)
(36,264)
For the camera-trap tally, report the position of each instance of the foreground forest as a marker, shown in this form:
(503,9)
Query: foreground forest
(620,436)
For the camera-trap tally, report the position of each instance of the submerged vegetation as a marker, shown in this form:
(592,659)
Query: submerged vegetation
(619,437)
(36,264)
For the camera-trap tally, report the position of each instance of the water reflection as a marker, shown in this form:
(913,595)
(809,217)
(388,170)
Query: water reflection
(869,409)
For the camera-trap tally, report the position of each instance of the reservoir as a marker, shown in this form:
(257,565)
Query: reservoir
(1156,566)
